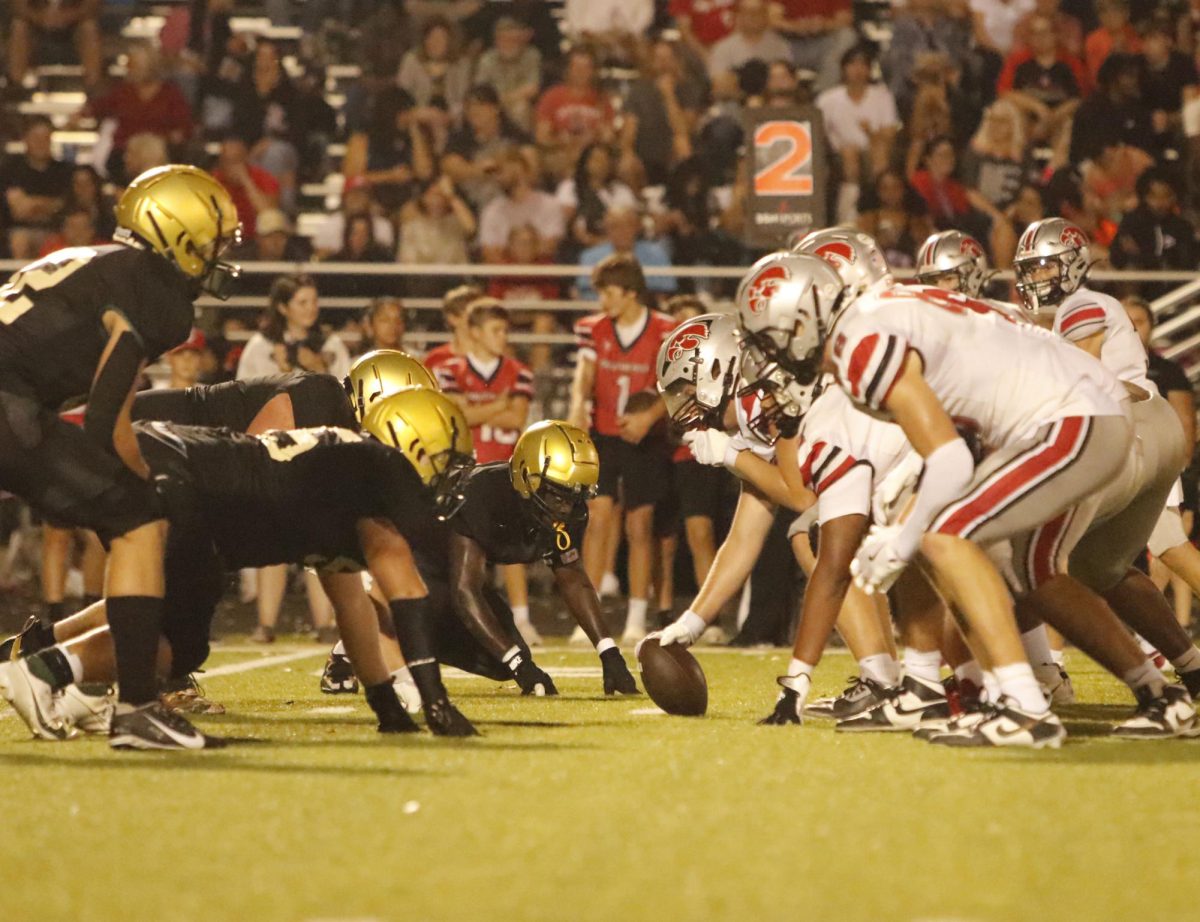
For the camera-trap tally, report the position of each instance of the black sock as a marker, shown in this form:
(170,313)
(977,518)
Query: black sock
(37,636)
(414,631)
(55,611)
(51,666)
(134,622)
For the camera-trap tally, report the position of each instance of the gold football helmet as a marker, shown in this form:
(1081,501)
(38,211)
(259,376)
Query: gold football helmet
(185,215)
(430,431)
(381,372)
(555,465)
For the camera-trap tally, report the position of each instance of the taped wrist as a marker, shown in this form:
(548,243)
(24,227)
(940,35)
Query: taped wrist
(111,387)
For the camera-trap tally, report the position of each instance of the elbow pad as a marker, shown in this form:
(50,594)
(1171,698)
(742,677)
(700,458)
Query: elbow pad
(110,389)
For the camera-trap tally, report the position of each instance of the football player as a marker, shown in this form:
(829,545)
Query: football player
(85,321)
(326,497)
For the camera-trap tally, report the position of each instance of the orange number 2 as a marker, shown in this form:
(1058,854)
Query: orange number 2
(783,175)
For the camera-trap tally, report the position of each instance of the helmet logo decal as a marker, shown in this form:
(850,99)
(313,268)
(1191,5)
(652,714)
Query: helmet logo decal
(1072,236)
(562,540)
(687,339)
(837,253)
(1026,243)
(764,287)
(970,247)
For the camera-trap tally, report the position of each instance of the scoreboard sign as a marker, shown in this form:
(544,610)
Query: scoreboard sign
(787,175)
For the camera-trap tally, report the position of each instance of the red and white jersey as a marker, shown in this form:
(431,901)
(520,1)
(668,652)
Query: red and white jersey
(1086,313)
(1002,379)
(747,437)
(462,375)
(622,368)
(844,454)
(439,356)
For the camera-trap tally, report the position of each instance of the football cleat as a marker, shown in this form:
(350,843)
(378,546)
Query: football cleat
(338,678)
(906,705)
(1056,684)
(152,726)
(444,719)
(961,723)
(1004,724)
(88,707)
(789,706)
(35,634)
(860,695)
(386,704)
(33,697)
(1170,714)
(617,678)
(185,695)
(1191,681)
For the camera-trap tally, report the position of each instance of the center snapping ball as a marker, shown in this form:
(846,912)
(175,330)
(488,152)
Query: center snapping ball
(673,679)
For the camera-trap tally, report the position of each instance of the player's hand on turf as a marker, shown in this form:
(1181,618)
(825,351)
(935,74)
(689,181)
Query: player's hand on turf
(710,446)
(684,630)
(533,679)
(617,678)
(878,562)
(789,706)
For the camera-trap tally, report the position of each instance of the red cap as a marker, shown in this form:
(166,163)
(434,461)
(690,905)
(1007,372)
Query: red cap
(195,341)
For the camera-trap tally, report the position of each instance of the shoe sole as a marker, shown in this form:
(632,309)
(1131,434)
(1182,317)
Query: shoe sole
(132,741)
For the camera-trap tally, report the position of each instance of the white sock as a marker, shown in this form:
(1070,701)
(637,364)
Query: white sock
(799,667)
(606,643)
(1147,676)
(1188,662)
(1037,646)
(521,614)
(75,663)
(970,672)
(1016,680)
(881,668)
(991,686)
(636,619)
(1056,657)
(923,664)
(339,649)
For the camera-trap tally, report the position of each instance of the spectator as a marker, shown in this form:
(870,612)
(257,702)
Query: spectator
(290,338)
(920,32)
(951,204)
(573,114)
(1114,106)
(393,154)
(1115,36)
(1027,206)
(35,20)
(721,132)
(820,32)
(1045,83)
(384,325)
(513,68)
(997,160)
(251,187)
(1067,30)
(1167,75)
(186,361)
(688,218)
(1110,178)
(435,73)
(702,23)
(622,226)
(454,306)
(896,216)
(266,115)
(143,152)
(589,195)
(143,103)
(661,112)
(359,244)
(77,229)
(35,188)
(436,227)
(751,40)
(1154,235)
(520,204)
(996,22)
(229,342)
(273,241)
(87,192)
(356,199)
(221,86)
(860,124)
(524,249)
(611,24)
(314,125)
(472,157)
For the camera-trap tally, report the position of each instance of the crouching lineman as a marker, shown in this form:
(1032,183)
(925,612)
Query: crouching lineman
(327,498)
(85,321)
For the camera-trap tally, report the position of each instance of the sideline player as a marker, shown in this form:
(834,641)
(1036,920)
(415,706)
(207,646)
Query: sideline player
(85,321)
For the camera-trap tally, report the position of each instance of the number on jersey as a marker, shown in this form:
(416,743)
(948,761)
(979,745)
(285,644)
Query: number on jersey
(15,297)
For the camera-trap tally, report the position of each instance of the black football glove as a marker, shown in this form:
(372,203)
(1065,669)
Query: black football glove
(617,678)
(788,706)
(532,679)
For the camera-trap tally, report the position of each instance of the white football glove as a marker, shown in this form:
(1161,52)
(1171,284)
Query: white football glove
(710,446)
(684,630)
(878,562)
(902,479)
(653,635)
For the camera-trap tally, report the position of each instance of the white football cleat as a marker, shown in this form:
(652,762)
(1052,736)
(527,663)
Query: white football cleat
(89,709)
(1170,714)
(1004,724)
(34,699)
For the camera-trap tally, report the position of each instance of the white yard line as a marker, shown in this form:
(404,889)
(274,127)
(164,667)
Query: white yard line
(263,663)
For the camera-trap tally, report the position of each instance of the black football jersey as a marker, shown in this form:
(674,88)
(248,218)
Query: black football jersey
(290,496)
(51,330)
(317,400)
(494,515)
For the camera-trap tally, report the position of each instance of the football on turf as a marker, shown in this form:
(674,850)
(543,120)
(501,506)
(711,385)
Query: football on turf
(673,679)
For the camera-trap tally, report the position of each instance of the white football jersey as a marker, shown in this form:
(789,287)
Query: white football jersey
(1086,313)
(748,438)
(1001,379)
(844,454)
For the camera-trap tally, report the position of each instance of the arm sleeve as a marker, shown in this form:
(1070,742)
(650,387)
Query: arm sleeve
(948,471)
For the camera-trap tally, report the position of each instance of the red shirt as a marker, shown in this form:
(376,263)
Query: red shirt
(576,115)
(947,199)
(438,356)
(1099,45)
(524,288)
(826,9)
(1017,58)
(620,370)
(165,113)
(264,181)
(711,20)
(459,375)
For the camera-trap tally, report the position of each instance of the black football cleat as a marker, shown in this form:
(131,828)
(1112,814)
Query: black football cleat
(1191,681)
(617,678)
(386,704)
(444,719)
(911,702)
(860,695)
(152,726)
(35,634)
(398,722)
(338,678)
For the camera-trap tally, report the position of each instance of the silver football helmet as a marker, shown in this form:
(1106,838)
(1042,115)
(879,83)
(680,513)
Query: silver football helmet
(787,303)
(1056,249)
(854,255)
(780,395)
(953,253)
(698,370)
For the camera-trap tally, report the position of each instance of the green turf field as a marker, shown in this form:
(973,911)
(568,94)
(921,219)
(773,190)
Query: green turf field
(582,808)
